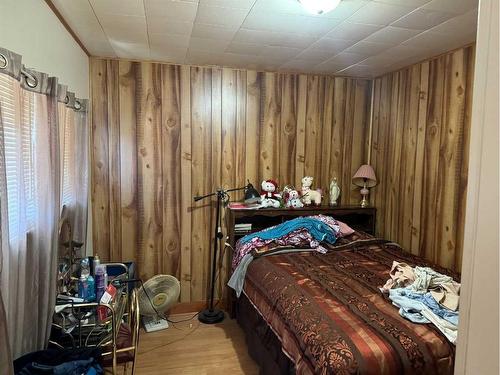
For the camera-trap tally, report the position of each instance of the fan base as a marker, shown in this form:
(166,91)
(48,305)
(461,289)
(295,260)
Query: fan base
(208,316)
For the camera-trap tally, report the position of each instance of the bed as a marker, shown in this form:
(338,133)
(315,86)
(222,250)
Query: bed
(307,313)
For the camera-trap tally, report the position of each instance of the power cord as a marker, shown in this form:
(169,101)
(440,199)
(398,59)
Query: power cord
(159,314)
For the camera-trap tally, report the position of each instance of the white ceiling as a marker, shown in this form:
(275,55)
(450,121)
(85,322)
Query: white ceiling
(359,38)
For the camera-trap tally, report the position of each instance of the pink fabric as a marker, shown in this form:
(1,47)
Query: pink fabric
(345,230)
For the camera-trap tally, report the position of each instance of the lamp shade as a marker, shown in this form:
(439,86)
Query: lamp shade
(365,174)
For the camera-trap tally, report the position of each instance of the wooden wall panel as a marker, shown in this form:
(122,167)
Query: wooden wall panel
(186,182)
(128,159)
(165,133)
(419,148)
(201,170)
(171,155)
(99,159)
(149,170)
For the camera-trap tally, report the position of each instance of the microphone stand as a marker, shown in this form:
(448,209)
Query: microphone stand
(213,315)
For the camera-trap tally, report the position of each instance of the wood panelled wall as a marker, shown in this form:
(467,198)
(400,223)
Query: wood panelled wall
(162,134)
(420,145)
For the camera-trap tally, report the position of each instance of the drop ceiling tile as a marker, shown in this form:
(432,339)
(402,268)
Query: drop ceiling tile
(273,38)
(78,14)
(293,40)
(378,61)
(346,59)
(218,15)
(245,48)
(127,50)
(422,19)
(316,54)
(275,52)
(100,47)
(452,6)
(332,44)
(202,30)
(174,10)
(289,23)
(368,48)
(352,31)
(329,67)
(175,55)
(414,4)
(208,45)
(241,60)
(428,40)
(169,40)
(358,71)
(402,52)
(298,65)
(379,14)
(163,25)
(196,57)
(130,29)
(464,24)
(121,7)
(236,4)
(73,6)
(392,35)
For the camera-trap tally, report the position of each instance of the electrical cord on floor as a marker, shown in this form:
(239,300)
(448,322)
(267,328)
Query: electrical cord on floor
(162,316)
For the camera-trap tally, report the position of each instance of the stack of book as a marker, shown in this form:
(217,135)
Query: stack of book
(243,228)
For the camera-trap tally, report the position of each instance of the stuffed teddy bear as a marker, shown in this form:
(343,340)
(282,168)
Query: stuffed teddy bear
(269,194)
(292,198)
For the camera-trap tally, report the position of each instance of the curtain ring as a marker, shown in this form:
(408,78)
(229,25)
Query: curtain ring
(66,99)
(77,105)
(27,77)
(5,61)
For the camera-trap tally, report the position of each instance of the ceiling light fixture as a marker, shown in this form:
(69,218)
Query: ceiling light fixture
(319,6)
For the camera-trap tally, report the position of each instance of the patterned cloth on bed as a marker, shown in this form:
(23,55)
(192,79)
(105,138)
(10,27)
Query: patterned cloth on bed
(331,318)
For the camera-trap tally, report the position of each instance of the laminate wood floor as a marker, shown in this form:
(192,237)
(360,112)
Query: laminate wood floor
(194,348)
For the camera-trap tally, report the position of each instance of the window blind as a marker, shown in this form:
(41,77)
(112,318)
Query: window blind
(17,111)
(68,138)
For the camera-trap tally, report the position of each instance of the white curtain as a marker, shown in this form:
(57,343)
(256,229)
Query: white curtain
(73,132)
(30,204)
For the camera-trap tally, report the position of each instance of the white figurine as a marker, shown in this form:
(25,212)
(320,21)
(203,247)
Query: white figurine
(334,192)
(308,195)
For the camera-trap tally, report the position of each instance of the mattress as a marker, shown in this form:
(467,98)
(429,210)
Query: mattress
(328,313)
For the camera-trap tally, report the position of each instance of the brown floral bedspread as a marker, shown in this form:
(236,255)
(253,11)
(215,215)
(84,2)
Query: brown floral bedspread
(331,317)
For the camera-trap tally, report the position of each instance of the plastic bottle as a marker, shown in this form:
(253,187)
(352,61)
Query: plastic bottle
(83,288)
(97,263)
(100,282)
(91,289)
(86,283)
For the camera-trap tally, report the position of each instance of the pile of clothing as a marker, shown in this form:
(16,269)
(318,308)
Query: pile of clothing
(300,234)
(425,296)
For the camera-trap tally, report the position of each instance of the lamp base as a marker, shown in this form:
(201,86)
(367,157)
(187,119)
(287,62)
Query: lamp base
(208,316)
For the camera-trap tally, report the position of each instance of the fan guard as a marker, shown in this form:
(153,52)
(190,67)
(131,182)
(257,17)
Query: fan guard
(163,290)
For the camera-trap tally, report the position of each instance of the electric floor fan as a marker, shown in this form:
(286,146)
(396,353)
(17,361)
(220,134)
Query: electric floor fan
(156,296)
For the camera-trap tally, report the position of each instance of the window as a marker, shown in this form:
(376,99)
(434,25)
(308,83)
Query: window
(17,112)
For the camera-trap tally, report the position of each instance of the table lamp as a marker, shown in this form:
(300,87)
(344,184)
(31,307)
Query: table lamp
(364,178)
